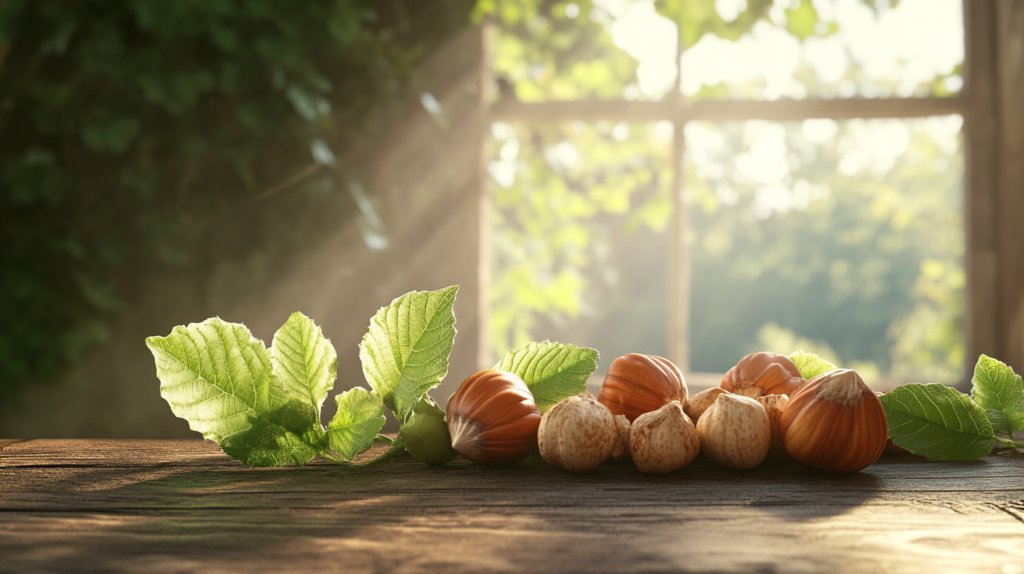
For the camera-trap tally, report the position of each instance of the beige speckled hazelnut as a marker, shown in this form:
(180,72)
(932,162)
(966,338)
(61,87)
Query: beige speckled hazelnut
(697,404)
(735,431)
(620,451)
(663,440)
(577,434)
(774,405)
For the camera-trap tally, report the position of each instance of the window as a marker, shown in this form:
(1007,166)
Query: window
(792,177)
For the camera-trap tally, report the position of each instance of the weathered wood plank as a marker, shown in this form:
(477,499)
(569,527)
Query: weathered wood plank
(180,505)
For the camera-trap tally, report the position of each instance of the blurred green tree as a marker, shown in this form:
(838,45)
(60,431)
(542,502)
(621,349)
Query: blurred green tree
(865,260)
(141,137)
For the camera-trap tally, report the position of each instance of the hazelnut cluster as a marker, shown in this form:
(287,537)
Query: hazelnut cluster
(762,409)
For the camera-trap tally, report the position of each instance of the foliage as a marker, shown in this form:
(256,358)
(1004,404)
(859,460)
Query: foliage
(937,421)
(1000,391)
(405,352)
(139,138)
(552,371)
(359,418)
(263,406)
(263,412)
(548,53)
(220,378)
(811,365)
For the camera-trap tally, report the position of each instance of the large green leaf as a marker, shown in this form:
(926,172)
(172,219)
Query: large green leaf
(304,368)
(405,352)
(552,371)
(938,422)
(360,417)
(217,376)
(811,365)
(999,391)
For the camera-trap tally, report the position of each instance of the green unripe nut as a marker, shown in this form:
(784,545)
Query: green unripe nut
(425,434)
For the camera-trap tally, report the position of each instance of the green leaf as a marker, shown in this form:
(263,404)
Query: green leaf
(305,365)
(938,422)
(405,352)
(552,371)
(811,365)
(360,417)
(217,376)
(1000,391)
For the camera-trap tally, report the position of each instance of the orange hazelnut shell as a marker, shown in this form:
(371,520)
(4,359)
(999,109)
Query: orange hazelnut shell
(826,435)
(493,418)
(638,384)
(772,374)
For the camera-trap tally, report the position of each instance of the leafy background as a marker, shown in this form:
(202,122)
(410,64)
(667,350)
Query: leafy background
(140,139)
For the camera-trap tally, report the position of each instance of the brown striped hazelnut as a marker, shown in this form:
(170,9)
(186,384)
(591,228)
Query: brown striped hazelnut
(638,384)
(493,418)
(835,422)
(763,374)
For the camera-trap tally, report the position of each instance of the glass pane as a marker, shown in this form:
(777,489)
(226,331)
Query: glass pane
(822,48)
(582,49)
(579,242)
(841,238)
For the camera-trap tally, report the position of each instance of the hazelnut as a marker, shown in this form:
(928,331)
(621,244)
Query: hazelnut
(425,434)
(638,384)
(620,451)
(577,434)
(696,405)
(663,440)
(774,405)
(493,418)
(735,431)
(763,374)
(835,422)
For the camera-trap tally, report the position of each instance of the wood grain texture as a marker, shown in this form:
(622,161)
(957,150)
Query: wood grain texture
(182,505)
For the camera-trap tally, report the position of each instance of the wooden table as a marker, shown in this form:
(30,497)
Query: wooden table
(182,505)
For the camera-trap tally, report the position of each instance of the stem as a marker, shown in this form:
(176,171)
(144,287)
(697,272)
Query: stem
(384,439)
(396,448)
(1010,443)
